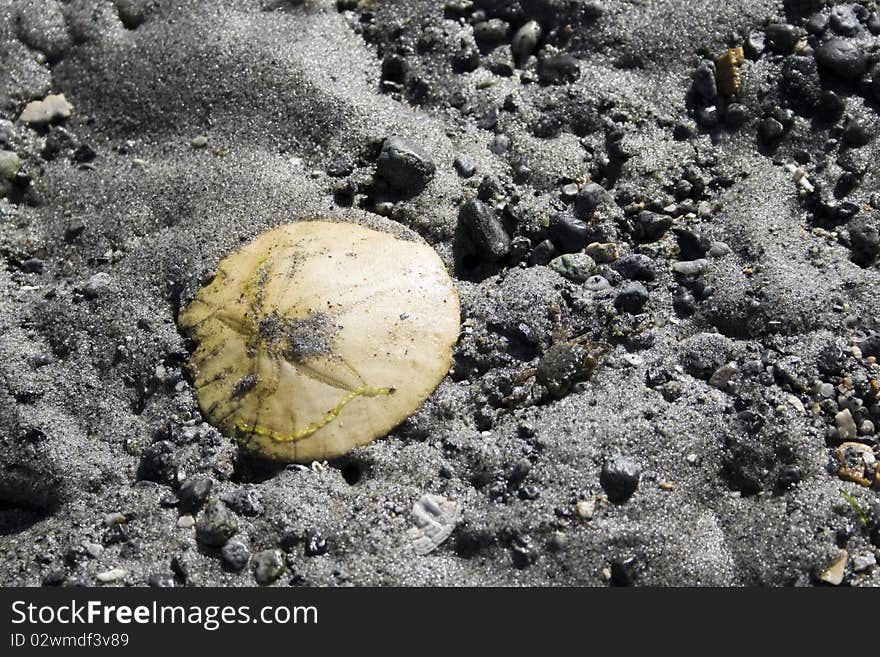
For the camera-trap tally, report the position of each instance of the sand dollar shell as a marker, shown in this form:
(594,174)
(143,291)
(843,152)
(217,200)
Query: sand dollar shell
(320,336)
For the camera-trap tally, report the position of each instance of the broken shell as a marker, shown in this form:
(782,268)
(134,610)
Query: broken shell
(320,336)
(728,70)
(434,518)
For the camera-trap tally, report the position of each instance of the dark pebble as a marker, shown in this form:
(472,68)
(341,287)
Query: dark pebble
(568,233)
(465,166)
(841,58)
(404,165)
(817,24)
(619,478)
(158,463)
(632,298)
(635,267)
(770,130)
(235,556)
(486,232)
(216,524)
(651,226)
(856,134)
(782,37)
(543,253)
(736,116)
(590,198)
(704,80)
(684,303)
(864,236)
(559,368)
(194,491)
(54,577)
(559,69)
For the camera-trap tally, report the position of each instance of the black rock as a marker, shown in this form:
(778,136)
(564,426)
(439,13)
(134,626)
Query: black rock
(590,198)
(841,58)
(635,267)
(194,491)
(691,246)
(736,116)
(568,233)
(704,80)
(817,24)
(84,153)
(619,478)
(782,37)
(216,524)
(651,226)
(465,166)
(632,298)
(543,253)
(864,236)
(484,229)
(800,82)
(54,577)
(770,130)
(558,69)
(856,134)
(684,303)
(404,166)
(235,556)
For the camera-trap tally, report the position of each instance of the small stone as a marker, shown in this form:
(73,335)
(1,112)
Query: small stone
(186,521)
(568,233)
(10,164)
(635,267)
(843,20)
(523,552)
(719,249)
(112,575)
(575,267)
(846,425)
(834,573)
(268,566)
(94,550)
(651,226)
(842,58)
(486,232)
(215,524)
(704,80)
(632,298)
(866,428)
(53,107)
(863,562)
(604,252)
(558,69)
(826,390)
(690,267)
(499,144)
(525,41)
(465,166)
(194,491)
(54,577)
(491,32)
(722,377)
(235,556)
(404,165)
(97,286)
(199,141)
(782,37)
(339,167)
(619,478)
(589,199)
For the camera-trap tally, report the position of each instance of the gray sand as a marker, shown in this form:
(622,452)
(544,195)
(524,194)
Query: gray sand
(100,255)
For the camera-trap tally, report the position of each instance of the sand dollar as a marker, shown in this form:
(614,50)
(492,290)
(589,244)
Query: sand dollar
(320,336)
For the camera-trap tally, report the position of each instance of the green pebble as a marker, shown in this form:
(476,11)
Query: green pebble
(10,163)
(577,267)
(268,566)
